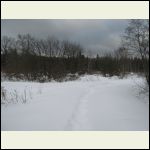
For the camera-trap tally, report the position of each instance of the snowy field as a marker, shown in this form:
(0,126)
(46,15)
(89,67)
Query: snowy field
(91,103)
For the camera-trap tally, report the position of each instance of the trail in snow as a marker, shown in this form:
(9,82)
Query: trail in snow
(79,119)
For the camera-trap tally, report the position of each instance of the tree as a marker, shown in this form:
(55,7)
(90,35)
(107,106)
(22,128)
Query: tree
(26,43)
(7,44)
(121,57)
(136,41)
(120,53)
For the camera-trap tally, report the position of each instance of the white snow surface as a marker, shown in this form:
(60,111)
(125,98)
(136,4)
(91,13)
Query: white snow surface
(91,103)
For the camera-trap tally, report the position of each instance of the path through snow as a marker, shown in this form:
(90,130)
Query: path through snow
(79,119)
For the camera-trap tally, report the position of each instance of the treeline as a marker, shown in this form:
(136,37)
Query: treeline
(54,59)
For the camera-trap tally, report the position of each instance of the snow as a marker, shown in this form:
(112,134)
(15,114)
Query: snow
(91,103)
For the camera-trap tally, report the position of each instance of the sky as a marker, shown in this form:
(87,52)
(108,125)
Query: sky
(95,35)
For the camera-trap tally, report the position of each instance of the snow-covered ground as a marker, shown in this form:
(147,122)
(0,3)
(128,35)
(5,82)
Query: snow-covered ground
(91,103)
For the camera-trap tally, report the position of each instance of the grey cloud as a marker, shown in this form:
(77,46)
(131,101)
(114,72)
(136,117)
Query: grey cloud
(95,35)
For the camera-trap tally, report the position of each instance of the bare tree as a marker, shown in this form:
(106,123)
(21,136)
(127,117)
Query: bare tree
(136,40)
(71,49)
(51,46)
(37,47)
(26,43)
(120,53)
(7,44)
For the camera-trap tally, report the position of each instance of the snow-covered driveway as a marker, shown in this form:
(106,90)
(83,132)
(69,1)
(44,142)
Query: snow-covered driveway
(89,103)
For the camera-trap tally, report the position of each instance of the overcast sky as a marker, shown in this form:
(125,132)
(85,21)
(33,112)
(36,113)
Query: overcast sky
(95,35)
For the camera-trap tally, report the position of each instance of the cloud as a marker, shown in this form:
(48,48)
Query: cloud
(93,34)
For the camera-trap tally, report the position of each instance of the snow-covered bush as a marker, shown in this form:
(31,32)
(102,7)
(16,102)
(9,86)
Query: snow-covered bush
(14,96)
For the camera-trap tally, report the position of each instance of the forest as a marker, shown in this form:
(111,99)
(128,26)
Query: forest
(33,59)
